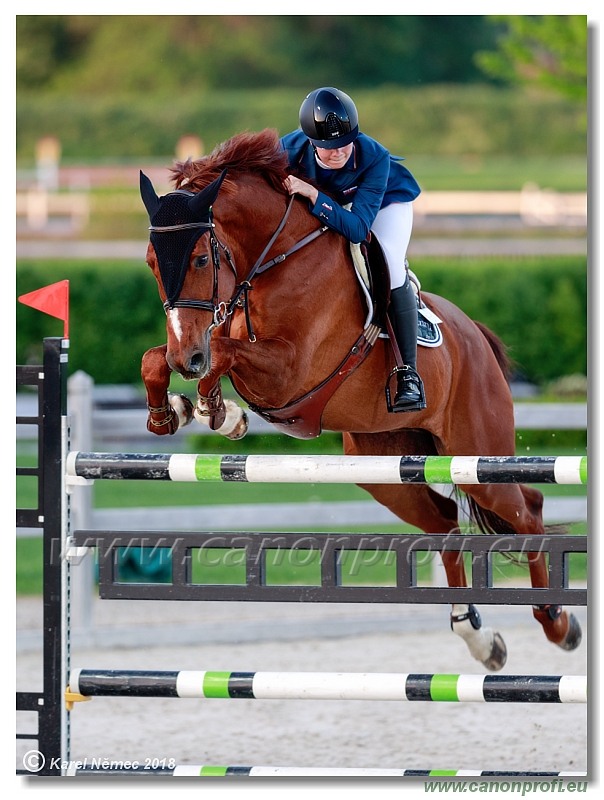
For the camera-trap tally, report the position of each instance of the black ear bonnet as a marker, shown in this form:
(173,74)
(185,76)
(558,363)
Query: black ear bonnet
(178,219)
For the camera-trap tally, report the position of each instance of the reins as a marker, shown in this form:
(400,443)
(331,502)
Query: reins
(304,413)
(244,287)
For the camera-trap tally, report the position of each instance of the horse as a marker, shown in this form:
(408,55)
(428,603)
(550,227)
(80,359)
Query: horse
(256,290)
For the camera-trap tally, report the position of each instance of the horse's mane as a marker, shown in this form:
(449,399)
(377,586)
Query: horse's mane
(259,153)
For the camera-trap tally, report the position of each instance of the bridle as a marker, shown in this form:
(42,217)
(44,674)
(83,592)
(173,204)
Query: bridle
(221,310)
(213,304)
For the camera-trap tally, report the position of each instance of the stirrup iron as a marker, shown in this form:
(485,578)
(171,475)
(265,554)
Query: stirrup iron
(412,376)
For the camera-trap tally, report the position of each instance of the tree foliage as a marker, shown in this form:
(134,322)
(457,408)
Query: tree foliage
(549,51)
(116,54)
(131,85)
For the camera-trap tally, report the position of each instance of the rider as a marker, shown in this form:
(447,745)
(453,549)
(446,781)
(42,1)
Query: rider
(329,150)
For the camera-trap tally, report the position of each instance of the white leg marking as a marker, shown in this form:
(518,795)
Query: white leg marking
(480,642)
(181,409)
(234,416)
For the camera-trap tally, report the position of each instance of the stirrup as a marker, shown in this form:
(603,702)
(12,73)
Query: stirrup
(412,375)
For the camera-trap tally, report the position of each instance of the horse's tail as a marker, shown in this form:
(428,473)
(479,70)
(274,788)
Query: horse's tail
(499,350)
(487,521)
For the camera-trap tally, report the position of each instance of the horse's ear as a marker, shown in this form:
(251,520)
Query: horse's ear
(201,202)
(150,199)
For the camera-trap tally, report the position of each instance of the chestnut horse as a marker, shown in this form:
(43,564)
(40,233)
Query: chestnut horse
(255,290)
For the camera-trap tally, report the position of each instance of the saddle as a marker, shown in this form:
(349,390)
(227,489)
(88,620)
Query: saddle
(372,272)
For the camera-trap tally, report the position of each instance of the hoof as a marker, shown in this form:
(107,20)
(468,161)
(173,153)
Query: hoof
(183,408)
(498,656)
(240,428)
(573,637)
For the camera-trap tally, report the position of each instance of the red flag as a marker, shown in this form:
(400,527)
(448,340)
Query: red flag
(53,300)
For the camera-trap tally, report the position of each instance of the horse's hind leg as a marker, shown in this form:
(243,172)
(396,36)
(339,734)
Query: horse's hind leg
(517,509)
(424,508)
(487,429)
(559,626)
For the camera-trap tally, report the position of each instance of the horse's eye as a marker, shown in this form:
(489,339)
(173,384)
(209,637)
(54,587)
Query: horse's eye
(199,262)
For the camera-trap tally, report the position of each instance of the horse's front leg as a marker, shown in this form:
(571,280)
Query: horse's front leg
(267,366)
(223,416)
(166,412)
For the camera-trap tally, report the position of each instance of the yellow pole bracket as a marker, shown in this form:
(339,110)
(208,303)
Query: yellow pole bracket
(74,697)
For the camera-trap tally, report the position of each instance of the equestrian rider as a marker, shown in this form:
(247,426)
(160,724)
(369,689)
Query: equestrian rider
(330,150)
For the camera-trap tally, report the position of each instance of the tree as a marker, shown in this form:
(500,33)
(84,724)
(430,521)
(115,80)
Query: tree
(146,55)
(546,50)
(42,42)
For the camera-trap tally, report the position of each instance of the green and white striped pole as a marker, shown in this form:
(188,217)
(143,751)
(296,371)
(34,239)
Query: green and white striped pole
(331,686)
(328,468)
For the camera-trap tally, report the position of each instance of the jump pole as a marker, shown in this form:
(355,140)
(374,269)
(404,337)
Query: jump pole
(328,686)
(464,470)
(217,771)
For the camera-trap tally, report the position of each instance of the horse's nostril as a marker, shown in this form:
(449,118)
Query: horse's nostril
(197,362)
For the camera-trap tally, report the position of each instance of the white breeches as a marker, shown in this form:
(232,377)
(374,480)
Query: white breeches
(393,226)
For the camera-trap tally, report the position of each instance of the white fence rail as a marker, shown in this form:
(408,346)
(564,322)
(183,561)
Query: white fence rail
(534,206)
(115,414)
(128,424)
(38,208)
(113,420)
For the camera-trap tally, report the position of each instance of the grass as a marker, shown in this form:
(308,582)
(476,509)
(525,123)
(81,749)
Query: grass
(29,565)
(498,172)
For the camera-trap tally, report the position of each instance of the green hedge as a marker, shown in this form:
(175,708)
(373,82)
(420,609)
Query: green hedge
(538,306)
(115,315)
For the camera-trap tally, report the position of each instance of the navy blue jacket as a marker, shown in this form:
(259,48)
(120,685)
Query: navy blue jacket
(370,180)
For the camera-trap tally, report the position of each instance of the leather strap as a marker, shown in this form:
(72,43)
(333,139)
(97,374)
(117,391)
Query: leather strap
(302,417)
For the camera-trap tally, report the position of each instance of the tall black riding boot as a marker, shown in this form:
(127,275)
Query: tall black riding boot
(403,315)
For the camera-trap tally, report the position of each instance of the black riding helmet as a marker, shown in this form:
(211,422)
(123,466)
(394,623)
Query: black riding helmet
(329,118)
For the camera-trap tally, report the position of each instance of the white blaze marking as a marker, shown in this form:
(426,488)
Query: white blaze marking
(175,323)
